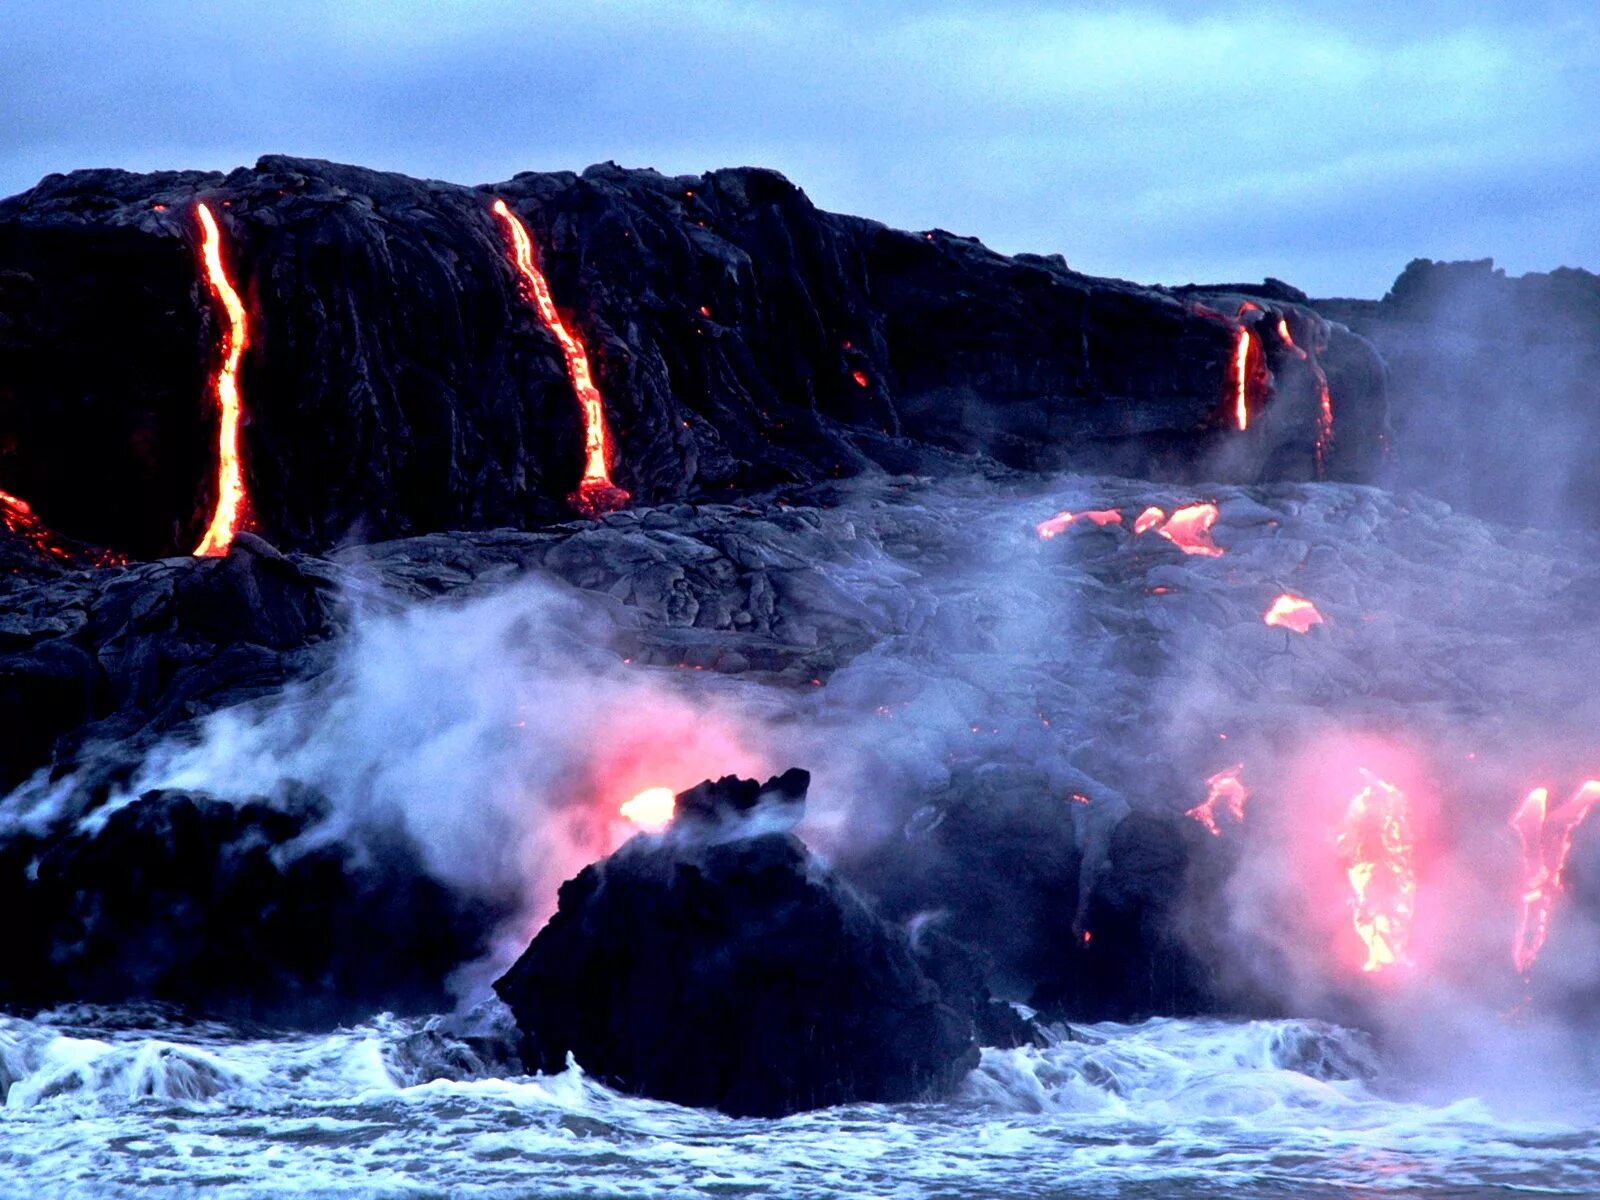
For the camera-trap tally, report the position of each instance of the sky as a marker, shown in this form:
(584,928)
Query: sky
(1164,142)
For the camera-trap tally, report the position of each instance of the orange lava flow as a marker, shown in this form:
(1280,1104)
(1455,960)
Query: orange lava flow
(1546,839)
(229,513)
(1189,528)
(1059,523)
(1149,519)
(17,515)
(652,809)
(1377,850)
(596,493)
(1241,375)
(1324,396)
(1293,612)
(1224,788)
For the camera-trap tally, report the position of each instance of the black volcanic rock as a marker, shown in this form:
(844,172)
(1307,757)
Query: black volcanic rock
(738,975)
(1495,385)
(181,898)
(397,382)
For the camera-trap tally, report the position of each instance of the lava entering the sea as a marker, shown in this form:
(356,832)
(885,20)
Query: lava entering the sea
(1546,839)
(1377,849)
(652,809)
(1293,612)
(229,514)
(595,493)
(1227,789)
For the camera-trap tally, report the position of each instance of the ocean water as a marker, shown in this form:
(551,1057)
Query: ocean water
(126,1103)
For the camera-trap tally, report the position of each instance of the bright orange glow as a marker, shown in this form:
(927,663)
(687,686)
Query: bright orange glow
(1546,839)
(1377,850)
(652,809)
(1225,788)
(18,517)
(230,511)
(1324,397)
(861,378)
(1149,519)
(596,493)
(1293,612)
(1189,528)
(1059,523)
(1241,376)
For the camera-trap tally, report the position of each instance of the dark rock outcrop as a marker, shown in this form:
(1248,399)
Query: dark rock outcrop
(735,974)
(181,898)
(397,382)
(1494,382)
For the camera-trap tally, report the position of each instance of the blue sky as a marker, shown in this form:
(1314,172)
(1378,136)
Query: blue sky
(1159,142)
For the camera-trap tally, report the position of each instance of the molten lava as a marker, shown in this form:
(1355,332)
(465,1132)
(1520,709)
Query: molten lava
(1189,528)
(1293,612)
(596,493)
(1377,850)
(18,518)
(1242,345)
(230,511)
(652,809)
(1546,839)
(1324,397)
(1059,523)
(1149,519)
(1224,788)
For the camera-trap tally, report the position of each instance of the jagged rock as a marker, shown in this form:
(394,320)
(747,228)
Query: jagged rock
(398,383)
(734,974)
(181,898)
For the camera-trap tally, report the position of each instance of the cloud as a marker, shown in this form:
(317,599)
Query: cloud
(1168,143)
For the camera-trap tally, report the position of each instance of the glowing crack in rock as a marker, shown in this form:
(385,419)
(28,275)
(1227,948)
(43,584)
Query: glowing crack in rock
(1546,839)
(1377,850)
(1062,521)
(595,493)
(1324,396)
(652,809)
(19,518)
(1225,788)
(1293,612)
(230,509)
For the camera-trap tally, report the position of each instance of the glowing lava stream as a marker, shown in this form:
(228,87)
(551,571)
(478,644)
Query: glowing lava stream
(1324,397)
(229,512)
(596,493)
(1226,788)
(652,809)
(1546,839)
(1376,847)
(1293,612)
(1058,524)
(17,515)
(1241,373)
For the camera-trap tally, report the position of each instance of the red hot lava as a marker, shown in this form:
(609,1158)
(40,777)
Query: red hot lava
(230,510)
(1377,849)
(1546,839)
(1242,347)
(652,809)
(1059,523)
(596,493)
(1224,788)
(1189,528)
(1324,397)
(18,517)
(1293,612)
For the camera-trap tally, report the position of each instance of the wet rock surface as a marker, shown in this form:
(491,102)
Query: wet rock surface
(735,972)
(398,383)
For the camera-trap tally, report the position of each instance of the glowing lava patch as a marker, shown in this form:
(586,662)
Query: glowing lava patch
(1062,521)
(652,809)
(1293,612)
(230,510)
(596,493)
(1377,849)
(1226,789)
(1189,529)
(1546,839)
(1242,346)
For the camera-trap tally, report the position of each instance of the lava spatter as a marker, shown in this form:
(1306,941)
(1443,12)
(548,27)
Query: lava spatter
(1226,789)
(596,493)
(229,513)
